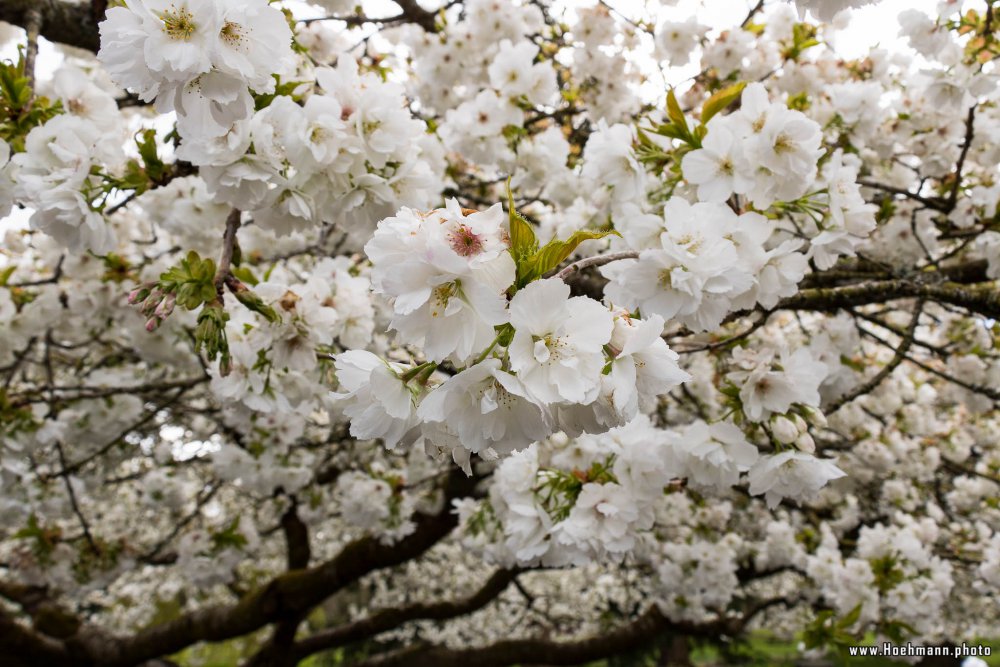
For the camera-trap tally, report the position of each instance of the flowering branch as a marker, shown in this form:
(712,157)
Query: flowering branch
(286,595)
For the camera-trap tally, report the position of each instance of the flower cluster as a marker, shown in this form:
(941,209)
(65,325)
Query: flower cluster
(199,58)
(535,362)
(349,154)
(730,359)
(57,177)
(592,498)
(764,151)
(698,262)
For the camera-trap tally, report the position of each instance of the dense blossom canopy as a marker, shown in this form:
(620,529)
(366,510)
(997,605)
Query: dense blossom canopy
(464,333)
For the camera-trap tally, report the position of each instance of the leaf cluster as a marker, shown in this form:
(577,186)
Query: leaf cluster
(534,262)
(192,281)
(20,110)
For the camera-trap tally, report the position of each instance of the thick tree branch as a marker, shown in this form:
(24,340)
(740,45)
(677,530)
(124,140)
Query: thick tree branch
(651,625)
(388,619)
(62,22)
(286,596)
(22,647)
(983,299)
(296,539)
(275,652)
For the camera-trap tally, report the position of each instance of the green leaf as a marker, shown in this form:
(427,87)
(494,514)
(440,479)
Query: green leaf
(505,334)
(523,242)
(850,618)
(245,275)
(674,111)
(5,275)
(522,237)
(150,158)
(720,100)
(671,131)
(229,537)
(280,89)
(253,302)
(555,252)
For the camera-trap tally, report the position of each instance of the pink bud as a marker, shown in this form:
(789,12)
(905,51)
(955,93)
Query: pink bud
(166,307)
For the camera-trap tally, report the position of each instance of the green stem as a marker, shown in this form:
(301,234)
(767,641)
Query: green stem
(417,370)
(485,353)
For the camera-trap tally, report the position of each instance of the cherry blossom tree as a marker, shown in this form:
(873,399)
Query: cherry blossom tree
(466,333)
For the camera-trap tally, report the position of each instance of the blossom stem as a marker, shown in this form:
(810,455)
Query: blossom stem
(485,353)
(417,370)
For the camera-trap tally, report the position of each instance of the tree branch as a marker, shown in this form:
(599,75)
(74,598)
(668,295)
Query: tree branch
(414,13)
(897,359)
(63,22)
(388,619)
(982,299)
(23,647)
(32,25)
(287,595)
(636,634)
(228,249)
(966,145)
(596,260)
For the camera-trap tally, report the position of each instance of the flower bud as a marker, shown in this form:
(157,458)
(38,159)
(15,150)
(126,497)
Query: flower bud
(806,444)
(784,430)
(800,423)
(816,417)
(622,331)
(165,307)
(138,294)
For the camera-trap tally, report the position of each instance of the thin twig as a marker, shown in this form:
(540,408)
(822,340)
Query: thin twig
(929,202)
(753,12)
(886,370)
(966,145)
(73,502)
(976,389)
(597,260)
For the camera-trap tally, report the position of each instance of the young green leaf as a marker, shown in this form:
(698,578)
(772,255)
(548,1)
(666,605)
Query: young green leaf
(555,252)
(522,237)
(674,111)
(720,100)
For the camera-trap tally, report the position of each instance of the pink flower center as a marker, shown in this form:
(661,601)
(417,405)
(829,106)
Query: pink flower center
(465,242)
